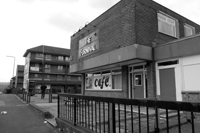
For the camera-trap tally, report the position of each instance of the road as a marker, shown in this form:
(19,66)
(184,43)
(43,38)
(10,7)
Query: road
(19,117)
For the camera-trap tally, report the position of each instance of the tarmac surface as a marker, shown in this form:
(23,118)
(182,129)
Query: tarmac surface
(17,117)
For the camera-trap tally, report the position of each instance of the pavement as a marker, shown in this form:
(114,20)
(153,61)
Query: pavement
(17,117)
(45,105)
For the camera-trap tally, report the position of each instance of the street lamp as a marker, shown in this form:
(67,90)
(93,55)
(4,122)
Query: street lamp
(13,64)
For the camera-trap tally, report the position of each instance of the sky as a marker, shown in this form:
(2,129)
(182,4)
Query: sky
(26,24)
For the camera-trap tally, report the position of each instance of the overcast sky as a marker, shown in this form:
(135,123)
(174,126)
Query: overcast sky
(29,23)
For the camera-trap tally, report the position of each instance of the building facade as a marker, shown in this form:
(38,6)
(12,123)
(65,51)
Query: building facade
(115,52)
(49,65)
(19,77)
(178,69)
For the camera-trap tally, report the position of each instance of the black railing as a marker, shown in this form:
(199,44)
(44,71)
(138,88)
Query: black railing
(117,115)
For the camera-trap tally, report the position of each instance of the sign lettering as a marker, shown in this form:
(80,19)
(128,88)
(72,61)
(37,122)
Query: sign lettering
(88,49)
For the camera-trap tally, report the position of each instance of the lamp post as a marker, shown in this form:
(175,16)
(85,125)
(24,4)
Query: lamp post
(13,64)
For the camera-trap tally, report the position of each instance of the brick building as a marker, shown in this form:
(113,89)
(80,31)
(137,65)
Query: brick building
(50,69)
(115,52)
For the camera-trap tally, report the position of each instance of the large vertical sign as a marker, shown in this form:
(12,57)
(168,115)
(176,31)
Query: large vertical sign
(88,44)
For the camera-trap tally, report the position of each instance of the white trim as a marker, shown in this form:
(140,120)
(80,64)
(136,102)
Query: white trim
(169,66)
(189,27)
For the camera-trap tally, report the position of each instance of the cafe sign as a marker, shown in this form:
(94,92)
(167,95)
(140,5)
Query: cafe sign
(88,44)
(88,49)
(102,82)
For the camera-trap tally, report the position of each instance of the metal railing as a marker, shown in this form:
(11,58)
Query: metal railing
(117,115)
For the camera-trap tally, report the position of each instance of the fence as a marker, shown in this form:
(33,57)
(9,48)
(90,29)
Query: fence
(117,115)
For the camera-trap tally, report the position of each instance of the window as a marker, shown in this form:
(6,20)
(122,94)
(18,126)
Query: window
(60,67)
(138,79)
(36,75)
(167,25)
(48,66)
(39,56)
(37,65)
(47,76)
(48,57)
(59,77)
(105,80)
(61,58)
(188,30)
(67,58)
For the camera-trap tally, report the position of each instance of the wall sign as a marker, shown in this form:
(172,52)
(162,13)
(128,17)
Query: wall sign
(88,44)
(88,49)
(103,82)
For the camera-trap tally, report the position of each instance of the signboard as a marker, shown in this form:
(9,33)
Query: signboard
(88,49)
(88,44)
(103,82)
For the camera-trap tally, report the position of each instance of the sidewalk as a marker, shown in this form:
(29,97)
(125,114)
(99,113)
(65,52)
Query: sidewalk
(45,105)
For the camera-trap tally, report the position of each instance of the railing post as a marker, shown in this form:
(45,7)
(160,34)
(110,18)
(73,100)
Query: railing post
(111,112)
(58,105)
(74,111)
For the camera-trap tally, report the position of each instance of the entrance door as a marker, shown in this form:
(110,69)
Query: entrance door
(167,84)
(137,85)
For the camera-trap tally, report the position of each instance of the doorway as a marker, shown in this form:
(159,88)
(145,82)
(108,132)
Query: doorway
(137,80)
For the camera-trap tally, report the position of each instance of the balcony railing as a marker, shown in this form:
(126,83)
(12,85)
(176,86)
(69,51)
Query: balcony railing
(117,115)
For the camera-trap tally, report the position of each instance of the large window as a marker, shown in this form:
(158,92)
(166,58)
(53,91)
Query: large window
(105,80)
(167,25)
(188,30)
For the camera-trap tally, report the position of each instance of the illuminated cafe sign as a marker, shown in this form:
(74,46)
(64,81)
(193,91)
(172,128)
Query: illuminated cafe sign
(88,44)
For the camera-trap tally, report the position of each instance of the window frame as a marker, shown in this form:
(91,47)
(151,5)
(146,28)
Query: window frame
(47,66)
(48,57)
(189,27)
(59,68)
(60,58)
(168,18)
(112,72)
(38,56)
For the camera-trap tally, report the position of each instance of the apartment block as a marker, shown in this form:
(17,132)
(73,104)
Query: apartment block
(19,78)
(49,65)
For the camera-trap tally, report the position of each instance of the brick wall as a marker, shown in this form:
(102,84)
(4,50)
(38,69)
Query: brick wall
(117,30)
